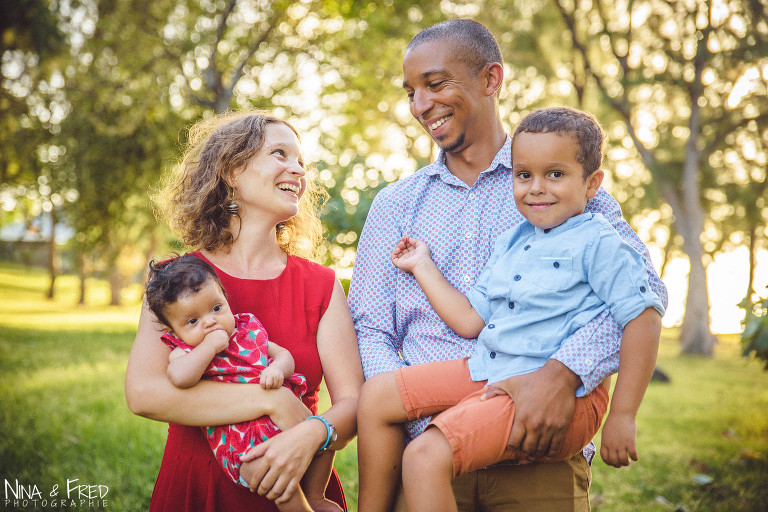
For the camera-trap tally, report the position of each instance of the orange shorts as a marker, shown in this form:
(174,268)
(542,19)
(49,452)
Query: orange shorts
(478,430)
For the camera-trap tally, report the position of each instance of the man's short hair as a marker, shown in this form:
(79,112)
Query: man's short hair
(474,44)
(569,121)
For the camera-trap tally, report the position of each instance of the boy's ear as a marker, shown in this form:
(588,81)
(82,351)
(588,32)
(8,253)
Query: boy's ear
(593,183)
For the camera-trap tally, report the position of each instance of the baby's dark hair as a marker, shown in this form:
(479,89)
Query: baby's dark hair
(170,279)
(569,121)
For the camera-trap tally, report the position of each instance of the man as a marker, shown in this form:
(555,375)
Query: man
(458,205)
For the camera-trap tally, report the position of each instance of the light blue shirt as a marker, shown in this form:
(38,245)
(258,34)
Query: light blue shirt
(541,286)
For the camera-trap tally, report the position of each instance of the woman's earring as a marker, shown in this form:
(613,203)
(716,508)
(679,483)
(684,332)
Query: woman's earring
(232,207)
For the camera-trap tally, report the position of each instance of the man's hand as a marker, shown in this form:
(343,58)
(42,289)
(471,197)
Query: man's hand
(544,402)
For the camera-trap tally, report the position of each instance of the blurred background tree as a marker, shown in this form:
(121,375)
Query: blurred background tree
(95,96)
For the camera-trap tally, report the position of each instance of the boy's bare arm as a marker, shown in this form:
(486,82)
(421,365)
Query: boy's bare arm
(186,370)
(450,304)
(637,359)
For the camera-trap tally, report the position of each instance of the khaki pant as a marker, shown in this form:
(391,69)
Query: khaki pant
(536,487)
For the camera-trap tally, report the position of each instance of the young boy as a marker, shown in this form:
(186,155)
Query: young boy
(545,279)
(209,342)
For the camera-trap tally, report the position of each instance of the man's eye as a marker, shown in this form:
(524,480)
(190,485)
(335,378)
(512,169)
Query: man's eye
(435,85)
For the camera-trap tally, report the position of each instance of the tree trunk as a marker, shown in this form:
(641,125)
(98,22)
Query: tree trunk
(752,262)
(52,256)
(84,269)
(696,337)
(115,286)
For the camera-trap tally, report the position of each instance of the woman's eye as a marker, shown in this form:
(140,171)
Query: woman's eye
(278,152)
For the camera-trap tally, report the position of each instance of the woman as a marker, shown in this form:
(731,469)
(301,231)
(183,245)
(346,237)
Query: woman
(242,196)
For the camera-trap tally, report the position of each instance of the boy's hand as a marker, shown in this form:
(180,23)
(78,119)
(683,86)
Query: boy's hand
(271,377)
(218,340)
(409,253)
(618,440)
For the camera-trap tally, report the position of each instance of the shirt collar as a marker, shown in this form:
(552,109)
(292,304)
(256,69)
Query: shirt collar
(503,159)
(565,226)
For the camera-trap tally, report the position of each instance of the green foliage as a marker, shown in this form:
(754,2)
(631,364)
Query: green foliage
(754,339)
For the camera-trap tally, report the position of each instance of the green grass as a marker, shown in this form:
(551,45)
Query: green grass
(63,415)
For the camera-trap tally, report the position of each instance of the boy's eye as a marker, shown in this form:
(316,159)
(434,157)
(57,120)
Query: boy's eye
(523,175)
(556,174)
(217,308)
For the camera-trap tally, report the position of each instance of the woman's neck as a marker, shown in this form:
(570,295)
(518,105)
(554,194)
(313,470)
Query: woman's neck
(254,254)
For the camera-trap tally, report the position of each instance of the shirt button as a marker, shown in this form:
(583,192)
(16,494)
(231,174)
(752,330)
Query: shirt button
(466,279)
(493,355)
(468,235)
(526,247)
(548,230)
(588,362)
(471,195)
(556,264)
(511,305)
(642,289)
(518,277)
(491,326)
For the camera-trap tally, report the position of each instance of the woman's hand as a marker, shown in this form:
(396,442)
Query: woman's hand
(274,468)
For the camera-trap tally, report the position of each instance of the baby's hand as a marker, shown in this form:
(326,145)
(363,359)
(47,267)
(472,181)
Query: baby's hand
(218,339)
(271,377)
(618,440)
(410,252)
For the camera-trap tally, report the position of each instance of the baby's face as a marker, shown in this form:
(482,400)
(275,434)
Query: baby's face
(195,315)
(548,181)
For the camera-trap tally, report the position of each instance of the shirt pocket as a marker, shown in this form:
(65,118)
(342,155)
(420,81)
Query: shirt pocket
(553,273)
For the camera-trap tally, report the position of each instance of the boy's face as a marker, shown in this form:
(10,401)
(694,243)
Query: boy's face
(548,182)
(195,315)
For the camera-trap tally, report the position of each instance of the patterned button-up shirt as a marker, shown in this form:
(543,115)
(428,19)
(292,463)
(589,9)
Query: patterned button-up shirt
(395,324)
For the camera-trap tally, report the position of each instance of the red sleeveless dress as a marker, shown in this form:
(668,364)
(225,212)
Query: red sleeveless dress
(290,307)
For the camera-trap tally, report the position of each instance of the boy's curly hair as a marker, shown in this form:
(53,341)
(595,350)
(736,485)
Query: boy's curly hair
(569,121)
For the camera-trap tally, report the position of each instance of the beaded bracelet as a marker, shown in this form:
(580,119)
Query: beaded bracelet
(327,427)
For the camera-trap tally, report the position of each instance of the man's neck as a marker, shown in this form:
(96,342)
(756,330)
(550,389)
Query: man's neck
(468,163)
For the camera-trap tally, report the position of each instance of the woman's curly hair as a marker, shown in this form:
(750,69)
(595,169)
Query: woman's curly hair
(193,198)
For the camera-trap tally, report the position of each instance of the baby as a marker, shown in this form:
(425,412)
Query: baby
(209,342)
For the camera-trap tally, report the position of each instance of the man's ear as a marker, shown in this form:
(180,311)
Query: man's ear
(494,74)
(594,181)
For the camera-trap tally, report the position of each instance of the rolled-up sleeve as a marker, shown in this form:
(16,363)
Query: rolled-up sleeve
(592,352)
